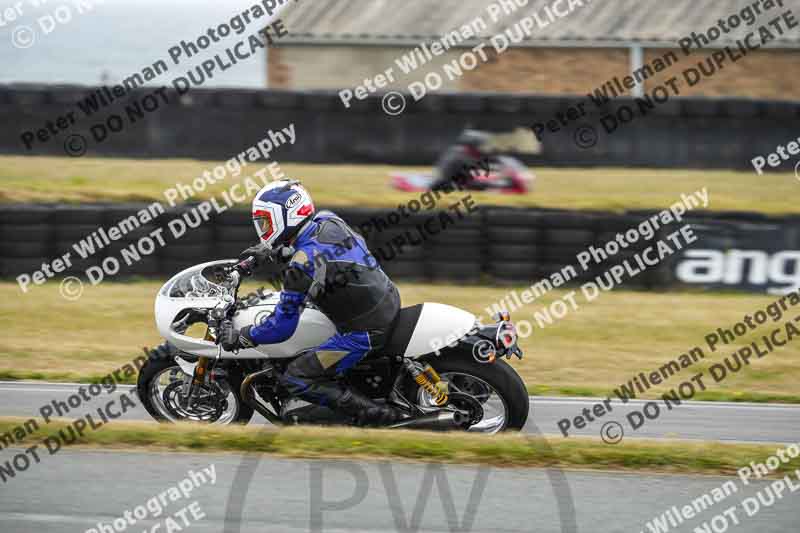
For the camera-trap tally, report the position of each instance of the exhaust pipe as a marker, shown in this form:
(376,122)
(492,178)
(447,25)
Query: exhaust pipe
(438,421)
(248,394)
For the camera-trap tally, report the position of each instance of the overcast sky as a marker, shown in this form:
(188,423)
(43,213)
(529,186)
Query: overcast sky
(116,37)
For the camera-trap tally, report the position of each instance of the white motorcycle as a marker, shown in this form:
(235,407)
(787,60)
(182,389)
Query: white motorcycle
(190,377)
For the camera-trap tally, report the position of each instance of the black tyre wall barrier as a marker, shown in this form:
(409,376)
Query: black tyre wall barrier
(734,250)
(215,124)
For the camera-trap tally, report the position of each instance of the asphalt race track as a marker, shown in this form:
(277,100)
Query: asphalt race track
(692,420)
(75,490)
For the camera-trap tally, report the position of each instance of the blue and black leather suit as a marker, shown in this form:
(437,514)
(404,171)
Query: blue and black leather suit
(332,268)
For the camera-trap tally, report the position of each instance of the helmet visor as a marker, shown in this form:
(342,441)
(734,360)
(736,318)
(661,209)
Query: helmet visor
(263,223)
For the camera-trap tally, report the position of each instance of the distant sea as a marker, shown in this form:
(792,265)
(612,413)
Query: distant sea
(117,38)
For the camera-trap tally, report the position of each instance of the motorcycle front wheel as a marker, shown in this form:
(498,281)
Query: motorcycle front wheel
(162,384)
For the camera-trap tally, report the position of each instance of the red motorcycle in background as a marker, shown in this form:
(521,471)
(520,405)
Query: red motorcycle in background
(507,175)
(477,162)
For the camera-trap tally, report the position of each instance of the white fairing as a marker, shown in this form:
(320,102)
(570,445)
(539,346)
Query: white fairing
(438,326)
(314,327)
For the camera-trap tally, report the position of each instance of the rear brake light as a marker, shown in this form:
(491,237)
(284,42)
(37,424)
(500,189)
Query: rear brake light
(506,336)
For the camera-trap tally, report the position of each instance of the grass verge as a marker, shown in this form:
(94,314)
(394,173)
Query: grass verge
(60,377)
(591,351)
(507,450)
(701,396)
(85,179)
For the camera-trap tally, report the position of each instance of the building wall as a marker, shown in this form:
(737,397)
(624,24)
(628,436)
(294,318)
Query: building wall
(762,74)
(773,74)
(337,67)
(279,70)
(547,70)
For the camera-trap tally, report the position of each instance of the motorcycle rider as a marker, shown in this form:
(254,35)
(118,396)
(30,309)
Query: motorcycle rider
(459,162)
(329,265)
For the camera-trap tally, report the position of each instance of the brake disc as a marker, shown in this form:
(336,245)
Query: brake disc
(209,407)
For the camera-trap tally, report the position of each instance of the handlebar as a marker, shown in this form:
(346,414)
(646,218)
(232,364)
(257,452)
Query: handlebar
(235,273)
(242,268)
(245,266)
(222,313)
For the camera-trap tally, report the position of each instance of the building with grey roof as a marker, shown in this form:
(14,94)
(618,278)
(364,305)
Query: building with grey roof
(541,46)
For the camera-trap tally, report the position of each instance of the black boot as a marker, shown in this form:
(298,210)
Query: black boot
(365,411)
(351,403)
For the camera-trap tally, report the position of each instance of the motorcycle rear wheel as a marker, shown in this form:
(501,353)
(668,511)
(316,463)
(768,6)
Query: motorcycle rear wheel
(497,386)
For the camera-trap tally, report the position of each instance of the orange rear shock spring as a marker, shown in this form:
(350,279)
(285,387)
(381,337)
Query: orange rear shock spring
(439,395)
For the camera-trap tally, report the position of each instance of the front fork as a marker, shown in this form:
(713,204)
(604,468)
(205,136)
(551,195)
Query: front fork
(196,382)
(201,373)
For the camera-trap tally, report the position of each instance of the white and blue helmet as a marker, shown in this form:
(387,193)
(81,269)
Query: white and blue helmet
(280,209)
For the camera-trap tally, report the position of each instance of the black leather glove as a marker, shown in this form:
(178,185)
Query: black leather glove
(261,252)
(232,339)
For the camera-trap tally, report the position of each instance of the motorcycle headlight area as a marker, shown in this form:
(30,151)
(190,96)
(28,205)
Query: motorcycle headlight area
(194,284)
(194,287)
